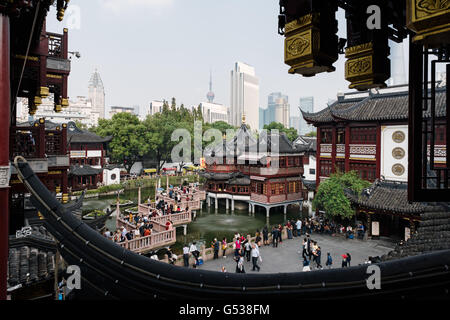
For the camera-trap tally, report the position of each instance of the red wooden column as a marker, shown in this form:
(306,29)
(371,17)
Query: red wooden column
(378,153)
(5,105)
(333,149)
(347,148)
(318,159)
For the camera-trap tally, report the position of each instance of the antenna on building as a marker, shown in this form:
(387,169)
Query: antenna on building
(210,96)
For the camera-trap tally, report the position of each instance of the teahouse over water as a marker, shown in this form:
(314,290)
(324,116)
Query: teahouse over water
(264,172)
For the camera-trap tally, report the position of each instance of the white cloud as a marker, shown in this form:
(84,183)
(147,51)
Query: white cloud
(118,6)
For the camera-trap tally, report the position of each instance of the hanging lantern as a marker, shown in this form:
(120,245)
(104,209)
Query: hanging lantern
(37,101)
(311,44)
(430,19)
(44,92)
(64,103)
(367,66)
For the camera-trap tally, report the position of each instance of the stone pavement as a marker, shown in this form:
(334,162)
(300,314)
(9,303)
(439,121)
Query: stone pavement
(287,256)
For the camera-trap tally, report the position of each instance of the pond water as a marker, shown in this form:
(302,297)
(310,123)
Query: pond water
(209,223)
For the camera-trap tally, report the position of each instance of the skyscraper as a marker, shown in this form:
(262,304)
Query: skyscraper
(244,96)
(306,105)
(398,73)
(97,94)
(278,109)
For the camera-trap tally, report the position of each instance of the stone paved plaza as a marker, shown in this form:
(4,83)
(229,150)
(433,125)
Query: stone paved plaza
(287,256)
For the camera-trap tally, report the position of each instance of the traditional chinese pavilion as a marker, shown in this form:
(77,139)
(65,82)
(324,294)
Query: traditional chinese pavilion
(368,132)
(264,173)
(33,64)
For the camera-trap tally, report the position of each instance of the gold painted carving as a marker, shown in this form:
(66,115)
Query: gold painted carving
(432,6)
(398,136)
(296,45)
(398,153)
(359,67)
(398,169)
(300,23)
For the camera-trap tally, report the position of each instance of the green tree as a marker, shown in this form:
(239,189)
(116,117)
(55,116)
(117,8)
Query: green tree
(129,143)
(291,133)
(311,134)
(81,125)
(330,196)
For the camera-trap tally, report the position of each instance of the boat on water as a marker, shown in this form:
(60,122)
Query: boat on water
(111,272)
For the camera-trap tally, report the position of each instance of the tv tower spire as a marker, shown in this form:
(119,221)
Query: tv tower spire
(210,96)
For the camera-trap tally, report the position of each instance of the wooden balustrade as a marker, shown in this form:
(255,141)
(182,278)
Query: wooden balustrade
(152,241)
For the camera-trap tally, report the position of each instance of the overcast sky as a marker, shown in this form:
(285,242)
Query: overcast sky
(157,49)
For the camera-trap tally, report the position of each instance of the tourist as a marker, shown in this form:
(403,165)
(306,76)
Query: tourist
(329,261)
(349,258)
(216,248)
(280,233)
(275,232)
(136,233)
(224,247)
(248,248)
(258,238)
(289,229)
(255,255)
(237,246)
(171,256)
(318,255)
(361,231)
(239,263)
(306,266)
(186,255)
(344,261)
(305,249)
(107,234)
(265,233)
(194,251)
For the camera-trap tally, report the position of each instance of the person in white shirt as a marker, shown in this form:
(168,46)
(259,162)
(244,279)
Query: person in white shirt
(255,255)
(194,251)
(186,255)
(299,227)
(124,231)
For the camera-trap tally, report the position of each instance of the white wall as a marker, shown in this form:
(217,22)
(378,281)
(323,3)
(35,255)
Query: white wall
(111,176)
(311,165)
(387,147)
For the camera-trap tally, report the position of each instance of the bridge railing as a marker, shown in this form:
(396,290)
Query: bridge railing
(177,219)
(152,241)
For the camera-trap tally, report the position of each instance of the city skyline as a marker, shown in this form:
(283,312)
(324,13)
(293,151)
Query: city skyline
(168,72)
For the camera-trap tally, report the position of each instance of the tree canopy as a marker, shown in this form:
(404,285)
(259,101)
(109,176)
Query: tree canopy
(129,137)
(330,196)
(291,133)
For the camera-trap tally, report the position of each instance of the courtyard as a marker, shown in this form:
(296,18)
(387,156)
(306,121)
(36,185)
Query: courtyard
(287,256)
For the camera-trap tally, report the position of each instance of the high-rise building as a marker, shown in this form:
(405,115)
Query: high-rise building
(397,65)
(120,109)
(244,96)
(295,123)
(306,105)
(278,109)
(97,94)
(213,112)
(263,116)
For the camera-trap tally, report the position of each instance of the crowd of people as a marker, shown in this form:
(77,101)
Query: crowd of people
(142,222)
